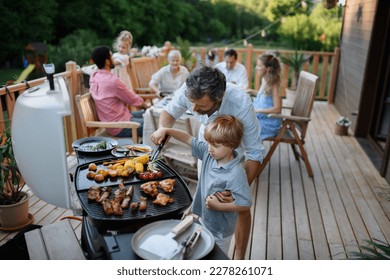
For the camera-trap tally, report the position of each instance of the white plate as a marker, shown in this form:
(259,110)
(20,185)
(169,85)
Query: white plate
(203,247)
(117,151)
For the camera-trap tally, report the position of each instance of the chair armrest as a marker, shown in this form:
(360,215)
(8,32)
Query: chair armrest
(287,117)
(143,89)
(150,95)
(113,124)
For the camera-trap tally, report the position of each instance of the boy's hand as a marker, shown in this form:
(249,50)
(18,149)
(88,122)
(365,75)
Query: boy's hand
(212,202)
(224,197)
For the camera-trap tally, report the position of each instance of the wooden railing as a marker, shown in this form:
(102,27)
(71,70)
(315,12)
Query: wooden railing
(322,64)
(75,83)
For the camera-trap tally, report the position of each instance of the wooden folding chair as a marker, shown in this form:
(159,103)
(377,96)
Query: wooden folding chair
(294,126)
(142,69)
(90,123)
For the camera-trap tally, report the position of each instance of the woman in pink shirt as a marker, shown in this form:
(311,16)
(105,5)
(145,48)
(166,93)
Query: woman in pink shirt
(112,97)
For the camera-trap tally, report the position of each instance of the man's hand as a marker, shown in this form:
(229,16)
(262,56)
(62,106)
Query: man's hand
(224,197)
(158,136)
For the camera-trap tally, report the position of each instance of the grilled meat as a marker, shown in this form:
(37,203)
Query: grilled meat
(134,206)
(150,188)
(162,199)
(125,202)
(94,193)
(107,207)
(103,196)
(120,193)
(167,185)
(127,199)
(142,203)
(116,207)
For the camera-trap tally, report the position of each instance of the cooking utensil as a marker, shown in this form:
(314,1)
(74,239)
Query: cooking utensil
(191,242)
(158,150)
(162,245)
(204,245)
(184,250)
(86,145)
(177,254)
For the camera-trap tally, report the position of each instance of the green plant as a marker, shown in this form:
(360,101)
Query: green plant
(343,121)
(379,251)
(11,181)
(295,61)
(187,59)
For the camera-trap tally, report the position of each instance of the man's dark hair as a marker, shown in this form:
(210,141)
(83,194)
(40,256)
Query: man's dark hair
(99,56)
(206,81)
(231,52)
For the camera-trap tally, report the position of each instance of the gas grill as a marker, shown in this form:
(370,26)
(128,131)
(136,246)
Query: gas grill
(131,220)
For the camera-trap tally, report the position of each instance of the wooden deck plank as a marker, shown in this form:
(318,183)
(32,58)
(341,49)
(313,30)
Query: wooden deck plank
(333,183)
(274,233)
(358,163)
(289,231)
(346,184)
(324,202)
(317,227)
(258,243)
(306,251)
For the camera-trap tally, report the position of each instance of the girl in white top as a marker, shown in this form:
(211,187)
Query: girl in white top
(169,78)
(121,58)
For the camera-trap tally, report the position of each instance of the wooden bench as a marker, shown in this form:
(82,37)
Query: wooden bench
(54,242)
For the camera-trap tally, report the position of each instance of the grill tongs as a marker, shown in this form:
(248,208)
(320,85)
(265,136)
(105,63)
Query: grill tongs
(158,150)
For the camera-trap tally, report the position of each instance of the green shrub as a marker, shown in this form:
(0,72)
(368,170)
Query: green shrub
(76,47)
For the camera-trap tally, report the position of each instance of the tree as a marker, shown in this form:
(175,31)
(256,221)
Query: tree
(23,22)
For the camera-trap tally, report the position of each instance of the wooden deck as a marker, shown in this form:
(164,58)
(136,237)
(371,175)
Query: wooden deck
(295,216)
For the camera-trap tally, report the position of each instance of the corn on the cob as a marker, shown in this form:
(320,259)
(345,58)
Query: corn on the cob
(139,167)
(129,164)
(144,159)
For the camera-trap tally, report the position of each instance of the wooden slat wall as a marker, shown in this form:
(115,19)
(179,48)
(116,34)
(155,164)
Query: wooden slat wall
(356,35)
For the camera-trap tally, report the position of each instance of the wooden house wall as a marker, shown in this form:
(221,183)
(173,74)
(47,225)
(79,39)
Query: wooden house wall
(355,41)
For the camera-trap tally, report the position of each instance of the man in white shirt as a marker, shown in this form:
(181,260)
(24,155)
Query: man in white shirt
(234,71)
(207,95)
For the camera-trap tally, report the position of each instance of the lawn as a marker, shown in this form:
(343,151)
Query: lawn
(9,74)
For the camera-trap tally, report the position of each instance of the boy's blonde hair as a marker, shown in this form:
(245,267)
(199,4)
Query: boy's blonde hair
(224,130)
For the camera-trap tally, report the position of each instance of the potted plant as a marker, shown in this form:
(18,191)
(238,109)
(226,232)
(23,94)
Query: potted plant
(342,125)
(295,61)
(13,200)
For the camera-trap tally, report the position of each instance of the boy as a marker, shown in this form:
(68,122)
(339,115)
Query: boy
(221,171)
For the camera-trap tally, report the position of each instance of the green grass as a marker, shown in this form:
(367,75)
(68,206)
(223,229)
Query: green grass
(9,74)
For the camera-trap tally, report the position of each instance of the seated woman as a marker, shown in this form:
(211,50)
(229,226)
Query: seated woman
(169,78)
(268,100)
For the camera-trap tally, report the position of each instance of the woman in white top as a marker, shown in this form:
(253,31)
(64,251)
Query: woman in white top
(170,77)
(121,58)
